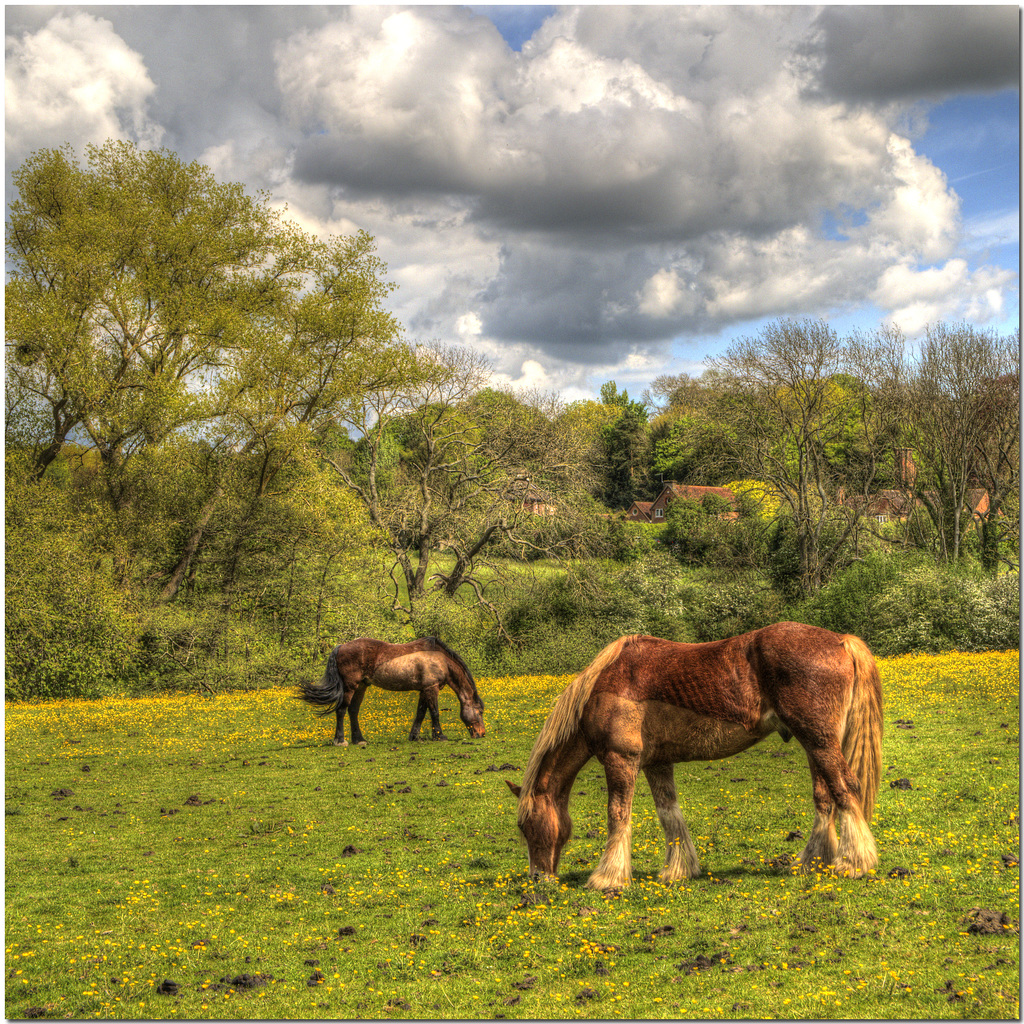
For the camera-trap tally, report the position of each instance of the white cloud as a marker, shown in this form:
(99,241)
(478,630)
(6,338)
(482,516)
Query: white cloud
(952,291)
(635,175)
(666,294)
(74,80)
(921,213)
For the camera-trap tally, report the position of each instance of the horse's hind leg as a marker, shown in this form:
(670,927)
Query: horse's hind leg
(615,868)
(821,848)
(353,715)
(339,728)
(680,856)
(856,853)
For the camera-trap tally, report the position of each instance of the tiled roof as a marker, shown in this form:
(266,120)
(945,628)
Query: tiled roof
(692,492)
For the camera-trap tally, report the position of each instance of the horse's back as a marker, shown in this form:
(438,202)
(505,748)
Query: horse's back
(792,654)
(707,700)
(710,679)
(411,670)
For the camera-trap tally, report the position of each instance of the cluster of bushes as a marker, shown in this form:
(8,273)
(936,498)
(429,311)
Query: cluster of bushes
(908,604)
(899,604)
(75,627)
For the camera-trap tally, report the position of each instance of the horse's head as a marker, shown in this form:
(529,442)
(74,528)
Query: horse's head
(546,829)
(472,714)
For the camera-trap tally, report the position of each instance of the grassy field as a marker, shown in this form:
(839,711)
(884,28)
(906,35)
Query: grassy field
(201,857)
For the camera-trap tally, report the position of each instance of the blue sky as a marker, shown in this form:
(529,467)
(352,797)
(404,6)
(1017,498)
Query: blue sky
(583,193)
(976,141)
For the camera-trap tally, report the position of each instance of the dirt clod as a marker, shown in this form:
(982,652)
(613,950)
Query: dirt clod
(243,982)
(984,921)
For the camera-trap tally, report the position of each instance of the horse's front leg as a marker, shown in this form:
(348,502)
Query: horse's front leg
(680,856)
(429,696)
(421,713)
(615,868)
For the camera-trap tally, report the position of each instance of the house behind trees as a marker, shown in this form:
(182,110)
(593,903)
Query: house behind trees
(655,511)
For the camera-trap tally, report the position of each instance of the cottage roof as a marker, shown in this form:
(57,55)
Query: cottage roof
(694,492)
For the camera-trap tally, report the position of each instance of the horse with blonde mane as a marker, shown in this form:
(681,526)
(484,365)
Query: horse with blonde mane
(644,704)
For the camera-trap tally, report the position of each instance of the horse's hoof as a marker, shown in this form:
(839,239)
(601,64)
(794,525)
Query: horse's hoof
(441,737)
(341,743)
(847,869)
(361,744)
(607,884)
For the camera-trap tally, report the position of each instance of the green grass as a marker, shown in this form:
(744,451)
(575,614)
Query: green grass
(222,845)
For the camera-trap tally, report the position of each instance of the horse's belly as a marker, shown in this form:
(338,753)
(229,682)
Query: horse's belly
(409,672)
(675,734)
(658,732)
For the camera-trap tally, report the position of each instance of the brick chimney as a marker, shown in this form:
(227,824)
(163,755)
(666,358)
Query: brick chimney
(906,468)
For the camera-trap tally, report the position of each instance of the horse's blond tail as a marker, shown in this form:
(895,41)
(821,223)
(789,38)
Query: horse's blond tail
(862,741)
(563,721)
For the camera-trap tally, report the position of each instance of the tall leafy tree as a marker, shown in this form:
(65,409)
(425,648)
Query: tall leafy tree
(326,338)
(627,448)
(129,279)
(147,303)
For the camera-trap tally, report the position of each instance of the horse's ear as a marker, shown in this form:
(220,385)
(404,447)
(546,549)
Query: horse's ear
(516,790)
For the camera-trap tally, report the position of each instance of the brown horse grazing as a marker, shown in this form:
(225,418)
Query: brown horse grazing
(644,704)
(425,665)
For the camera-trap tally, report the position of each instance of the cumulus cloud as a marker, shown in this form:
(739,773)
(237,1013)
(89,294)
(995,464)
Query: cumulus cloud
(902,51)
(918,297)
(74,80)
(638,172)
(628,177)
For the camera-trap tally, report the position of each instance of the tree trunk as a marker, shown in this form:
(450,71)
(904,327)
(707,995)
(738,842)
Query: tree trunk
(171,587)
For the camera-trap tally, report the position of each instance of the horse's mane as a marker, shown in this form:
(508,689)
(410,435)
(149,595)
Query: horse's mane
(461,664)
(563,722)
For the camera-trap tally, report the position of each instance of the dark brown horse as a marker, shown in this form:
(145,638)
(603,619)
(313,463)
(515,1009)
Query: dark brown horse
(643,704)
(424,665)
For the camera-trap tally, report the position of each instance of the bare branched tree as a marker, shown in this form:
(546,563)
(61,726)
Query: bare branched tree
(445,464)
(799,415)
(955,397)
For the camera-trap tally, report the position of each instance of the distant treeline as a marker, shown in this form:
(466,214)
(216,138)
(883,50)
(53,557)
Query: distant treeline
(223,456)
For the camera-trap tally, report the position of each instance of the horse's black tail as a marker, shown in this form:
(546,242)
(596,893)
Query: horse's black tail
(326,696)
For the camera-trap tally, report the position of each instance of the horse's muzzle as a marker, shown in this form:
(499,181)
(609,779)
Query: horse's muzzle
(477,731)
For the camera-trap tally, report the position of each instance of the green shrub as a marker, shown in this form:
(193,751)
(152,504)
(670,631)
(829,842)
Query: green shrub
(932,609)
(849,603)
(713,607)
(69,630)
